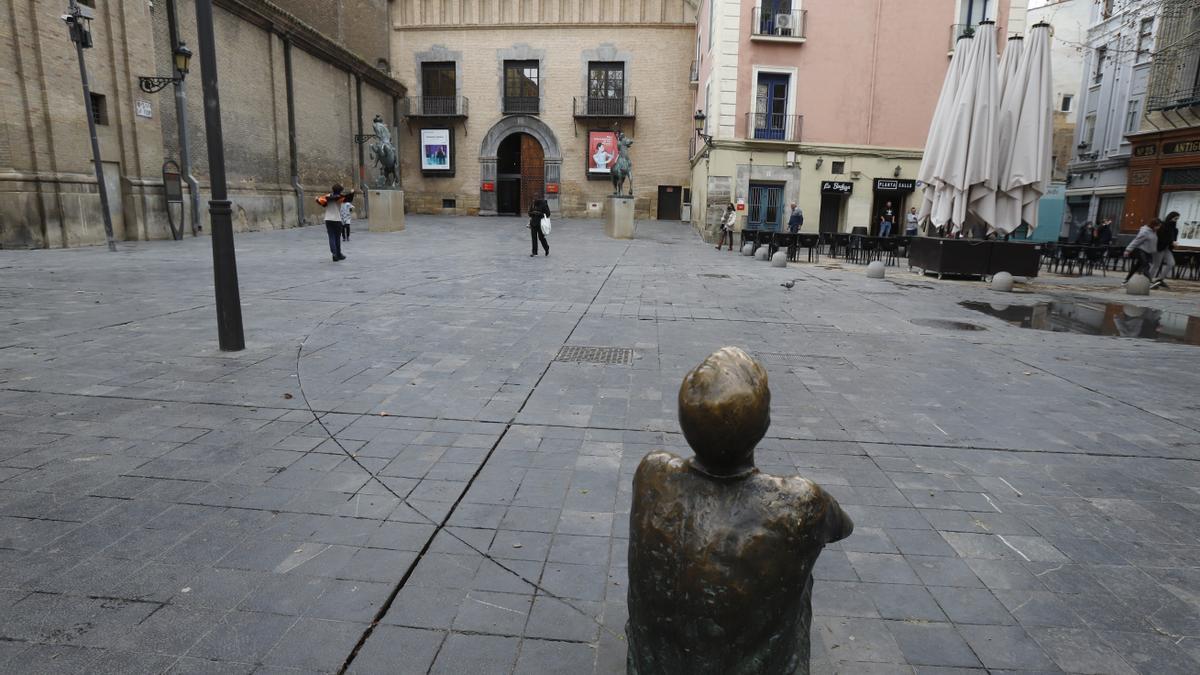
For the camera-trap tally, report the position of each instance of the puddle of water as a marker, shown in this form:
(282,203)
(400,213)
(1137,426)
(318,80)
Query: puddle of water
(1097,318)
(946,324)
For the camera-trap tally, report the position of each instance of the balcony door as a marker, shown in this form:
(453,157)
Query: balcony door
(437,88)
(769,22)
(606,88)
(770,106)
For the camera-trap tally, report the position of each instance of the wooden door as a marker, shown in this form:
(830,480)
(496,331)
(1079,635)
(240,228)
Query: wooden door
(669,202)
(533,172)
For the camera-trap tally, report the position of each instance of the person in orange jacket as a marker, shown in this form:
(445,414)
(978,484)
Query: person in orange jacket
(332,204)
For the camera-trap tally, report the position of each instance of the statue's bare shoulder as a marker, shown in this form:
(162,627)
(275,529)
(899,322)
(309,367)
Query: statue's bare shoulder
(660,463)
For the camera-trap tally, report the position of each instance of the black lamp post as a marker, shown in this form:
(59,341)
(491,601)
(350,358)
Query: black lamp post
(181,59)
(78,19)
(229,302)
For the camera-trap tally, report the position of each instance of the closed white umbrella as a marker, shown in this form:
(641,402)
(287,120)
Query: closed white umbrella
(1024,169)
(933,188)
(980,176)
(1012,85)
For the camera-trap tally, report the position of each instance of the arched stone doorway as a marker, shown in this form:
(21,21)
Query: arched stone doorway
(520,174)
(519,136)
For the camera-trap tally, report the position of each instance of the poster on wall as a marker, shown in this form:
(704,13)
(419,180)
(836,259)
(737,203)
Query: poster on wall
(436,152)
(601,153)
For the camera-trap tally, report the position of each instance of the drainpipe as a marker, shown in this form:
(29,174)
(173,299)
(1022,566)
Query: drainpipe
(181,118)
(362,166)
(291,114)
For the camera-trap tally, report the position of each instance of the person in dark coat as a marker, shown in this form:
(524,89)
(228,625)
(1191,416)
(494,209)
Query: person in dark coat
(796,219)
(537,210)
(1162,264)
(1085,234)
(1104,232)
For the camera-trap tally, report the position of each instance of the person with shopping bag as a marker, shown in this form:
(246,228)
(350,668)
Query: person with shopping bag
(539,225)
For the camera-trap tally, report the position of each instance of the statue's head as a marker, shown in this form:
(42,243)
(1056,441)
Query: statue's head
(725,410)
(378,117)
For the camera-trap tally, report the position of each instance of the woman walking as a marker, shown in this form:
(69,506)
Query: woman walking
(727,222)
(537,210)
(1142,248)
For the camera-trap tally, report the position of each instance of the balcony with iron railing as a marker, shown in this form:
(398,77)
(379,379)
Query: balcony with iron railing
(1175,76)
(436,106)
(777,26)
(521,105)
(604,106)
(761,126)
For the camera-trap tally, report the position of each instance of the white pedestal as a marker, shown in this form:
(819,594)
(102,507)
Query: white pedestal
(618,217)
(387,211)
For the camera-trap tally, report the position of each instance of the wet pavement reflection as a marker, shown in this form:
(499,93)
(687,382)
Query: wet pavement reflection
(1097,318)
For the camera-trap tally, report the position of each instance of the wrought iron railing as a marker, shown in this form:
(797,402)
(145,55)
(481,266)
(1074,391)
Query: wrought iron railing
(436,106)
(778,24)
(764,126)
(1175,71)
(521,105)
(603,106)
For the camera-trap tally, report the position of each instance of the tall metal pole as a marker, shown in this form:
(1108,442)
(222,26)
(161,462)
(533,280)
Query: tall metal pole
(229,303)
(181,116)
(362,162)
(78,35)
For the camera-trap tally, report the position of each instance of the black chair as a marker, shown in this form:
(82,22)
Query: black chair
(1095,255)
(812,242)
(886,248)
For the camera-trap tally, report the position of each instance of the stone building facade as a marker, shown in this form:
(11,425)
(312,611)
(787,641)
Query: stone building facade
(48,190)
(509,100)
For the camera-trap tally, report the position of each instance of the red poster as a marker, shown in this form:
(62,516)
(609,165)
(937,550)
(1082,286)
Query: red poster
(602,151)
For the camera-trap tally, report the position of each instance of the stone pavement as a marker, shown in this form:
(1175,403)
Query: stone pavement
(398,476)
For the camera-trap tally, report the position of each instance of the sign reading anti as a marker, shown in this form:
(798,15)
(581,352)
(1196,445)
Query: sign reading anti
(836,187)
(895,185)
(436,152)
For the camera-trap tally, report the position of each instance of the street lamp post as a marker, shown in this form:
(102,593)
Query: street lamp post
(75,19)
(229,304)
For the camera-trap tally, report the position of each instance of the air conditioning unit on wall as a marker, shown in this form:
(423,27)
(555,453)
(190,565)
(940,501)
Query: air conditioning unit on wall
(784,23)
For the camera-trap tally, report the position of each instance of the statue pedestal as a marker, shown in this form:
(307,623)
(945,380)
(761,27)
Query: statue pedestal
(618,217)
(387,211)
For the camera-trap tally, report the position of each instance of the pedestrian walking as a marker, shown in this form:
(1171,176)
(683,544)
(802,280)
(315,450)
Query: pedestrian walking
(796,219)
(886,218)
(1162,265)
(347,214)
(1142,248)
(911,222)
(332,203)
(727,222)
(537,210)
(1085,235)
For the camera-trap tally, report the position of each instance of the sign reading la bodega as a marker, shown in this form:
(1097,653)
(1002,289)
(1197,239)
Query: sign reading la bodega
(836,187)
(895,185)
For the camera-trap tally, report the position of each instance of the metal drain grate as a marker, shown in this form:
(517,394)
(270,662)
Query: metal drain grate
(613,356)
(715,276)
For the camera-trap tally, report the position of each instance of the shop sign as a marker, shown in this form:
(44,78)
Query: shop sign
(1181,147)
(894,185)
(1139,177)
(1145,150)
(836,187)
(488,186)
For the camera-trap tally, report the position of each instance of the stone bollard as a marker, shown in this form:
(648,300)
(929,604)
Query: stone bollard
(748,249)
(875,270)
(779,259)
(1138,284)
(1003,282)
(720,554)
(761,253)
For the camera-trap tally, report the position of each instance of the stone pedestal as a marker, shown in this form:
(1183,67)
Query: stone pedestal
(618,217)
(387,211)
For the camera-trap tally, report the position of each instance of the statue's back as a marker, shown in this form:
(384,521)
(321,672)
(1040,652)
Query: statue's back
(720,570)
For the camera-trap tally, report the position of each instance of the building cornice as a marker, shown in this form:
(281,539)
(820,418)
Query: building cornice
(273,19)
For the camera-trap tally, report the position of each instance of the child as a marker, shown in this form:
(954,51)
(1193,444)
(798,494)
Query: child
(347,214)
(332,203)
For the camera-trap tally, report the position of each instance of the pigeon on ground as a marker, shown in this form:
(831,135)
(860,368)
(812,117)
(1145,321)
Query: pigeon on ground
(788,284)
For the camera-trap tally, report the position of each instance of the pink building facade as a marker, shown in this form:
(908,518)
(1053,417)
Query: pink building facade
(822,103)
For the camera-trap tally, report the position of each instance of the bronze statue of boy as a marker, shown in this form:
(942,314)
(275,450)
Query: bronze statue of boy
(721,554)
